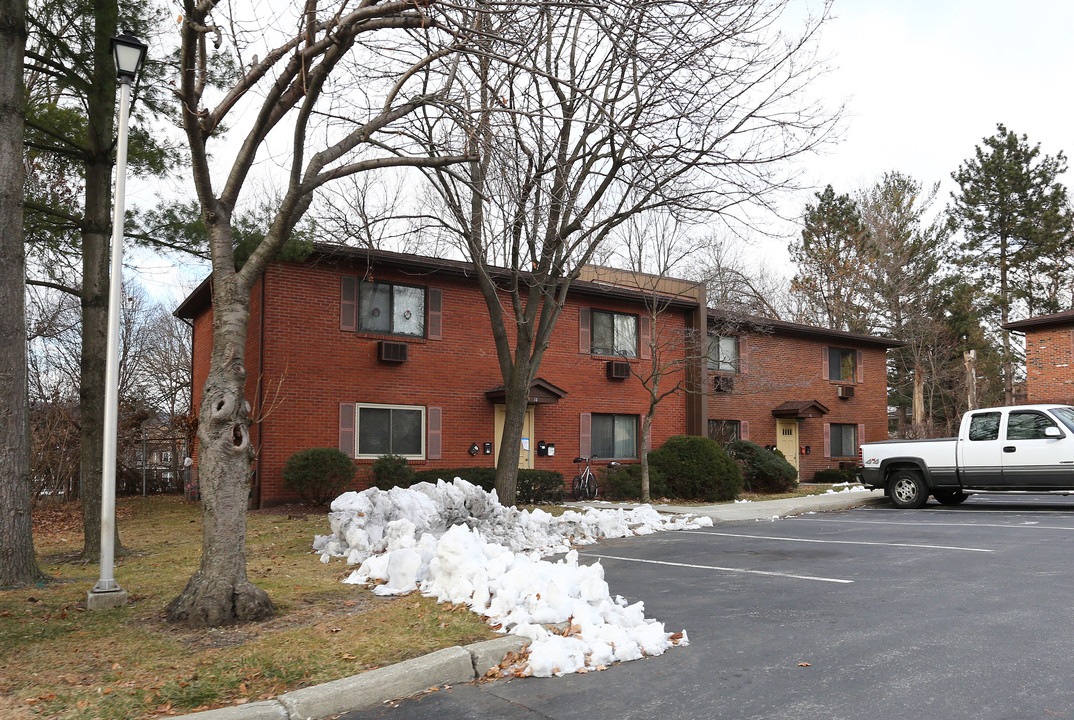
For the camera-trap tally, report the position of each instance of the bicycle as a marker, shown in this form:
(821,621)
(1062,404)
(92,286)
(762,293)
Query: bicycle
(584,486)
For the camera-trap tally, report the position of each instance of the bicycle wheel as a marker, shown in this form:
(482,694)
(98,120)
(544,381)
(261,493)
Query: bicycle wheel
(576,487)
(591,488)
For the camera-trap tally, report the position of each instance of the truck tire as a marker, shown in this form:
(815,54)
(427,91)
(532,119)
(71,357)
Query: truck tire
(907,489)
(950,497)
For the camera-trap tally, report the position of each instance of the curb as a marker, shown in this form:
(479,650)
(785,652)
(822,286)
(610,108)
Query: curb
(450,666)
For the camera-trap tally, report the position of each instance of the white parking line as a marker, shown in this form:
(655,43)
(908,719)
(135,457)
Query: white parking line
(840,542)
(723,569)
(1023,525)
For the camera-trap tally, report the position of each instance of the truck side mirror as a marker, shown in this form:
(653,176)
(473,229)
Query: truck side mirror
(1052,432)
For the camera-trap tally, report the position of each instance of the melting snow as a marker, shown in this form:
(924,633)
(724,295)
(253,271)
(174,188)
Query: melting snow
(457,543)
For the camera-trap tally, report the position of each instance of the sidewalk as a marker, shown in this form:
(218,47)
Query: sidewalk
(456,665)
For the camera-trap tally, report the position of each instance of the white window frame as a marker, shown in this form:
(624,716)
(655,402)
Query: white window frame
(383,406)
(717,363)
(636,353)
(391,309)
(853,444)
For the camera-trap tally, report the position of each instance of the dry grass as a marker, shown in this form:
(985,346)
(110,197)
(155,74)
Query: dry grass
(59,661)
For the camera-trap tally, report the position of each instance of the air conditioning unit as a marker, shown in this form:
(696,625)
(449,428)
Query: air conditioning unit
(844,391)
(392,352)
(618,370)
(723,383)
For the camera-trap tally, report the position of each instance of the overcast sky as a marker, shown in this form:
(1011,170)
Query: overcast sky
(925,82)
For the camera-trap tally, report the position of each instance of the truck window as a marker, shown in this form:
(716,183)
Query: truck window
(984,426)
(1027,425)
(1065,415)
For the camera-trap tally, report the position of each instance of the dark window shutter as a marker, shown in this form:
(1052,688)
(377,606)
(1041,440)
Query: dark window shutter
(348,303)
(434,446)
(827,440)
(585,434)
(744,430)
(645,333)
(824,363)
(436,314)
(346,428)
(861,434)
(743,355)
(584,345)
(861,356)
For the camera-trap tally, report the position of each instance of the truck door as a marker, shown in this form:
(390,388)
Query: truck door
(980,453)
(1031,459)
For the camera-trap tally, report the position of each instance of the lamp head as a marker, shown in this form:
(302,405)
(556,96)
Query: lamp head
(129,53)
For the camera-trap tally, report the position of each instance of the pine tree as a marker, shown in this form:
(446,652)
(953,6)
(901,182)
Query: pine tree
(830,256)
(1014,214)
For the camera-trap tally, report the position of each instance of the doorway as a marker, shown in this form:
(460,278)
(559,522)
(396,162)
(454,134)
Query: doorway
(787,440)
(525,455)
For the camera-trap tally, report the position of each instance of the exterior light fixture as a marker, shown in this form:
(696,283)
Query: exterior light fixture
(128,53)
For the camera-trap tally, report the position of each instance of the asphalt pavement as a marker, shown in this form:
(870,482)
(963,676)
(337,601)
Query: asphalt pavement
(453,668)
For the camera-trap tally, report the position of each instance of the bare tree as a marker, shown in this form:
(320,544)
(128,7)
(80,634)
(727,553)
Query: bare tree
(674,363)
(579,117)
(340,80)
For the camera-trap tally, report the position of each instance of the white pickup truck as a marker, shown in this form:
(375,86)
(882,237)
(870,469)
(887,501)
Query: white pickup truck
(1025,449)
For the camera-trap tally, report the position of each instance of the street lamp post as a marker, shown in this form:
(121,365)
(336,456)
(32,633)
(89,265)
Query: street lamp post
(128,53)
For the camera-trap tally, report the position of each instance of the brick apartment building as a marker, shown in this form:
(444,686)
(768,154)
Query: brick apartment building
(814,394)
(376,352)
(1049,357)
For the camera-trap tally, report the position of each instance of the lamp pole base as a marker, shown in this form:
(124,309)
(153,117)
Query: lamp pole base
(96,600)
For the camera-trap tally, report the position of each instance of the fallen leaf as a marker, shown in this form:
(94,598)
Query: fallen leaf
(803,664)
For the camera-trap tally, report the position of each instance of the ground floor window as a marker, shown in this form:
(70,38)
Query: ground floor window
(844,440)
(390,430)
(615,436)
(724,431)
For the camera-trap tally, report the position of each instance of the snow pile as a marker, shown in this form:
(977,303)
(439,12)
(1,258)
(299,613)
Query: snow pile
(846,488)
(455,542)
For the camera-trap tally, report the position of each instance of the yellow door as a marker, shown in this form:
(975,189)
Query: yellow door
(787,440)
(526,453)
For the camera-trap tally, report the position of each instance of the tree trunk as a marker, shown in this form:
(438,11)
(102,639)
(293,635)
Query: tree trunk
(646,431)
(919,398)
(510,449)
(96,233)
(18,565)
(219,593)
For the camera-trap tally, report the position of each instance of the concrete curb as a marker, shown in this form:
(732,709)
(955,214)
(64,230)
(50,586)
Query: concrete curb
(450,666)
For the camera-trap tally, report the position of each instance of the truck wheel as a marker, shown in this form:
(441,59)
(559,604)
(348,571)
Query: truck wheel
(908,489)
(950,497)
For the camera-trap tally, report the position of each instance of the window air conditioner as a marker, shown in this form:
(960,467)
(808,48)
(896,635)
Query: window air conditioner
(392,352)
(618,370)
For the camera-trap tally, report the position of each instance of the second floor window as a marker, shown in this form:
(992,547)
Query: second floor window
(842,366)
(615,334)
(723,353)
(391,309)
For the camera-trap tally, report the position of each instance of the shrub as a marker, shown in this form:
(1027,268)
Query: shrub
(697,468)
(540,486)
(763,471)
(392,471)
(834,475)
(318,474)
(624,483)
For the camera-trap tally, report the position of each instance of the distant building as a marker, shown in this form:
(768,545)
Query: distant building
(1049,357)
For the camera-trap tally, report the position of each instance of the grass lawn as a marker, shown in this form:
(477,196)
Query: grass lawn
(59,661)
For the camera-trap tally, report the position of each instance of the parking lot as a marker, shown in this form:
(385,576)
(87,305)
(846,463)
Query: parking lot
(941,612)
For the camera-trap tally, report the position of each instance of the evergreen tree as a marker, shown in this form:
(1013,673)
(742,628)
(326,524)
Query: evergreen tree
(1014,216)
(830,257)
(904,255)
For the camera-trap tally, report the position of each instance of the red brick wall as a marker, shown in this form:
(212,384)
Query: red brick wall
(782,368)
(311,366)
(1050,365)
